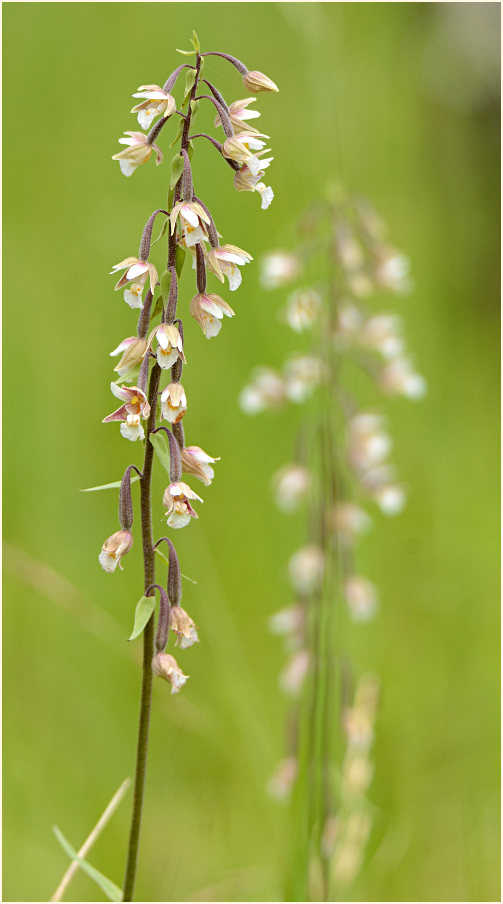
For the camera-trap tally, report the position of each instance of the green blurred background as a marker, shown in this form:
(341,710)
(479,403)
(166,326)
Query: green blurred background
(398,101)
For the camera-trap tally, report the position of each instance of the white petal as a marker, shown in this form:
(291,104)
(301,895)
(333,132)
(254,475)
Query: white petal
(127,168)
(133,299)
(132,432)
(146,117)
(108,563)
(136,270)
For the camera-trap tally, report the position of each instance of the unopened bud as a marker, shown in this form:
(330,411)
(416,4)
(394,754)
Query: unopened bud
(114,548)
(256,82)
(165,666)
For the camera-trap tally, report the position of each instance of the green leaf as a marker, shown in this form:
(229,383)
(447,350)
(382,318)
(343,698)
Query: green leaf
(163,230)
(178,134)
(109,486)
(165,284)
(194,106)
(161,447)
(186,52)
(189,84)
(190,149)
(143,611)
(180,260)
(176,169)
(158,308)
(195,42)
(109,888)
(185,576)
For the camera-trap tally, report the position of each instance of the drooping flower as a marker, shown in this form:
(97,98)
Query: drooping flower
(197,462)
(239,113)
(136,272)
(294,673)
(245,180)
(173,402)
(302,376)
(306,569)
(133,350)
(192,218)
(225,260)
(136,406)
(240,148)
(156,103)
(183,626)
(165,666)
(114,548)
(256,82)
(209,310)
(177,498)
(138,151)
(278,269)
(267,390)
(392,271)
(302,309)
(368,442)
(400,378)
(350,521)
(169,344)
(361,597)
(382,333)
(291,484)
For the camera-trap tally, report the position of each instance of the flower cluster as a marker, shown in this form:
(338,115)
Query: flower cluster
(149,371)
(341,467)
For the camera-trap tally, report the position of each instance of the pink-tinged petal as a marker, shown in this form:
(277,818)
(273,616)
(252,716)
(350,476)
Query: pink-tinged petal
(123,264)
(154,279)
(123,346)
(119,415)
(189,215)
(136,270)
(120,392)
(158,154)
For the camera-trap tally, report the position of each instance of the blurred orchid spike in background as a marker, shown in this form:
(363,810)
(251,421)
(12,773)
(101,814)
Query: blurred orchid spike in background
(342,265)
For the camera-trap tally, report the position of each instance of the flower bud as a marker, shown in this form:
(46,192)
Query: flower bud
(256,82)
(114,548)
(183,626)
(165,666)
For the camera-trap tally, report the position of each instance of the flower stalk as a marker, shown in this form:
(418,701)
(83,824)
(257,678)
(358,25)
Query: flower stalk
(151,367)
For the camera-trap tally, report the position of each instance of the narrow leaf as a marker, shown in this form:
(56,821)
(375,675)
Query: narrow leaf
(195,42)
(165,284)
(177,138)
(143,611)
(163,230)
(161,447)
(194,106)
(180,260)
(186,52)
(109,486)
(189,84)
(109,888)
(176,170)
(158,308)
(185,576)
